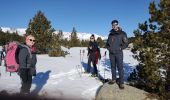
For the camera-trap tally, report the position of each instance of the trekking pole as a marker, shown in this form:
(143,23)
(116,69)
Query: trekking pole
(78,70)
(80,55)
(83,55)
(81,71)
(0,58)
(98,70)
(0,72)
(81,60)
(104,68)
(99,66)
(105,64)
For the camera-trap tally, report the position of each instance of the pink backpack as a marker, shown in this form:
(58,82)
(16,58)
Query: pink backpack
(11,58)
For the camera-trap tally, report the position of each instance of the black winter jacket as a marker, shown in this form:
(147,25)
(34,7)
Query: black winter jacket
(26,58)
(94,46)
(117,41)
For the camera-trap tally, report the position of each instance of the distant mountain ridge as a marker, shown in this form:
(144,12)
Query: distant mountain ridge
(80,35)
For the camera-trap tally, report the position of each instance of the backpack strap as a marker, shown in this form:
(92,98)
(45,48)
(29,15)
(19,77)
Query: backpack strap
(22,45)
(29,51)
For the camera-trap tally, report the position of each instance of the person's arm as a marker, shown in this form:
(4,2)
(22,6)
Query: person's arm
(2,54)
(88,49)
(99,52)
(23,58)
(90,46)
(125,41)
(107,43)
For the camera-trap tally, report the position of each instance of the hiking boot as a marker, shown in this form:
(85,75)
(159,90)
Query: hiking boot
(25,93)
(86,72)
(112,81)
(94,75)
(121,86)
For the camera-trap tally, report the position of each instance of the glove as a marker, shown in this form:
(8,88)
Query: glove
(99,56)
(33,71)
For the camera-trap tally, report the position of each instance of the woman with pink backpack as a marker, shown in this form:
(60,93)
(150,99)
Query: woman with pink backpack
(27,64)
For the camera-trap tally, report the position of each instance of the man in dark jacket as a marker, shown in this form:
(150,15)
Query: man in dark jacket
(27,62)
(116,42)
(93,50)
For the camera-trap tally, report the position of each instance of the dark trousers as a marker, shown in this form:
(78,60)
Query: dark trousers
(93,60)
(116,60)
(26,80)
(0,61)
(1,57)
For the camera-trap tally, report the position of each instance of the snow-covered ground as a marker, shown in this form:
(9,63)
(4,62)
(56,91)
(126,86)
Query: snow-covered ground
(64,77)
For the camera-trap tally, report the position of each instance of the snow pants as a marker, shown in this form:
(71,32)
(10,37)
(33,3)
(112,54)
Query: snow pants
(26,80)
(92,58)
(116,61)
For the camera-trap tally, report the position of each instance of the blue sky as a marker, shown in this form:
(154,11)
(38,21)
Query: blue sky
(91,16)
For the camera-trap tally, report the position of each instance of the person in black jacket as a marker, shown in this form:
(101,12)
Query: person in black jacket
(1,56)
(27,62)
(116,42)
(93,50)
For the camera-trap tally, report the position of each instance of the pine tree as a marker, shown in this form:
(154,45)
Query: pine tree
(84,43)
(60,33)
(55,48)
(6,37)
(2,38)
(60,37)
(65,42)
(40,27)
(100,42)
(55,41)
(74,41)
(0,29)
(152,46)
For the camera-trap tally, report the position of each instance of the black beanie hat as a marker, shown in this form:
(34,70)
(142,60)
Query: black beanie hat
(115,21)
(92,35)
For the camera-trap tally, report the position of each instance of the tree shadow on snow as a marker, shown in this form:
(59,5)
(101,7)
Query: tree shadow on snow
(40,80)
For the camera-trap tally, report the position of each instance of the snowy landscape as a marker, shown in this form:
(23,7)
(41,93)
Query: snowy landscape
(61,32)
(64,77)
(80,35)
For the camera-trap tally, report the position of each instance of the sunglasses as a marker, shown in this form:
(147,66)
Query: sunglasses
(32,40)
(115,24)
